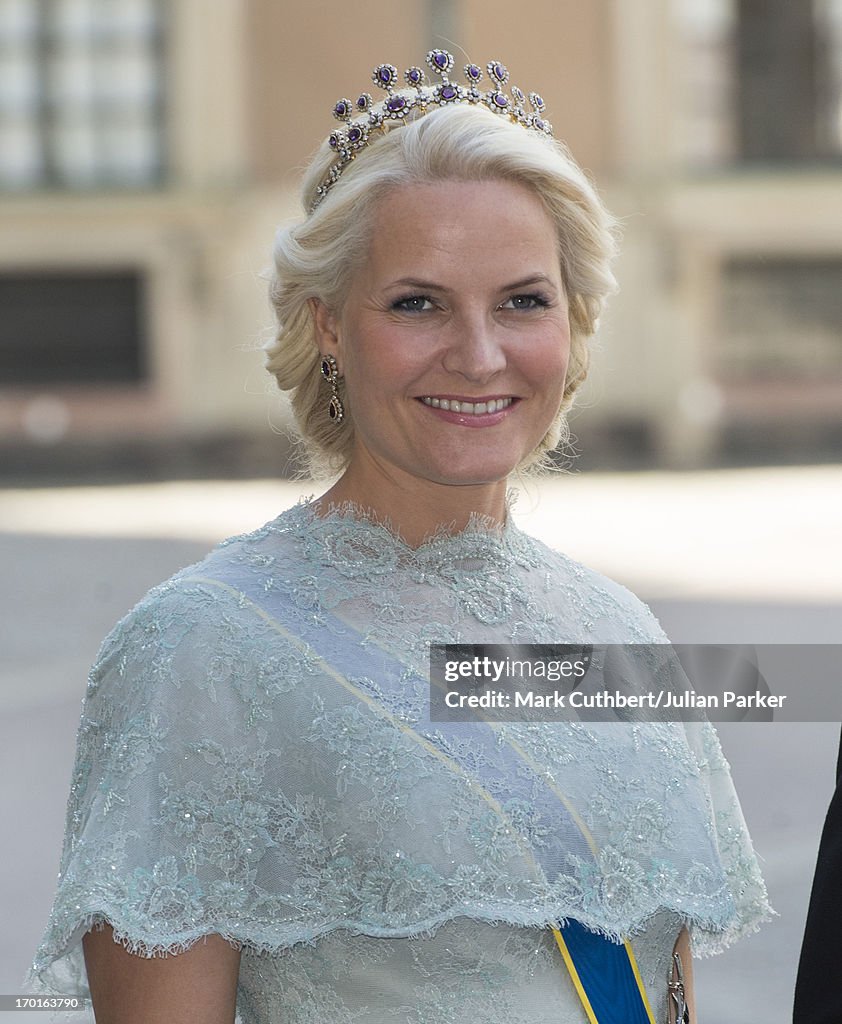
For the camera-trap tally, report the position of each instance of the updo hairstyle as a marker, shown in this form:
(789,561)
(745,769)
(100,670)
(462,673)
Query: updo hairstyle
(317,257)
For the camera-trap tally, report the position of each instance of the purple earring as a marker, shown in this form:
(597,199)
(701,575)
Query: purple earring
(330,372)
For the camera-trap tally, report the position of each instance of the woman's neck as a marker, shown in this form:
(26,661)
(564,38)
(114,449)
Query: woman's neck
(415,508)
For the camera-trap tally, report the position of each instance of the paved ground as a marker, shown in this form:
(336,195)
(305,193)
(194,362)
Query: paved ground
(748,556)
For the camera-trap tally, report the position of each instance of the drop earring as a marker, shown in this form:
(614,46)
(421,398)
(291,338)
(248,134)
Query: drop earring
(330,372)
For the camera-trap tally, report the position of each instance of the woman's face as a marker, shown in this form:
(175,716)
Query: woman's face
(454,337)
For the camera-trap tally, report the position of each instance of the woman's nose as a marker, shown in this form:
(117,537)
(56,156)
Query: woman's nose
(475,349)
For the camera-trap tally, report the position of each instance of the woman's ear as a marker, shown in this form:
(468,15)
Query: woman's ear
(326,329)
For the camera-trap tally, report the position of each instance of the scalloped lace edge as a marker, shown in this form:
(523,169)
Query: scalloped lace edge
(714,938)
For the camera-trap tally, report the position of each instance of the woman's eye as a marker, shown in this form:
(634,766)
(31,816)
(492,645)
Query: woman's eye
(413,304)
(525,302)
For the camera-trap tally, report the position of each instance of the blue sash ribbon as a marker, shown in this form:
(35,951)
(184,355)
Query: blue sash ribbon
(605,976)
(604,973)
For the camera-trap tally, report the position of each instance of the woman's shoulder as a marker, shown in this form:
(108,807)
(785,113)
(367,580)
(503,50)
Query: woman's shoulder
(203,611)
(190,591)
(614,612)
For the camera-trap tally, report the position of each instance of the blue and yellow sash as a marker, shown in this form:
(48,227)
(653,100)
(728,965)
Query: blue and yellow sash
(605,976)
(604,973)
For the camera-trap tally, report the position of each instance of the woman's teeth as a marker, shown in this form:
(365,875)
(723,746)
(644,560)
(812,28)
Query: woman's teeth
(470,408)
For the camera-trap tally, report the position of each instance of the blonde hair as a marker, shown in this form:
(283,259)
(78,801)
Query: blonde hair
(317,257)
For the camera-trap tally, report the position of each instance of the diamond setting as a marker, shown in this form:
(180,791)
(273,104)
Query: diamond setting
(365,116)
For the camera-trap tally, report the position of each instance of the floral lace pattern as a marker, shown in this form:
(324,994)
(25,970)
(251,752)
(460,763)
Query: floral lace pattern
(234,776)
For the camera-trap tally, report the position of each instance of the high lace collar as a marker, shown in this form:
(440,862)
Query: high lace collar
(352,536)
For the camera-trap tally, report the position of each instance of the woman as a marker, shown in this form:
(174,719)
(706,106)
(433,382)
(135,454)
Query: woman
(258,786)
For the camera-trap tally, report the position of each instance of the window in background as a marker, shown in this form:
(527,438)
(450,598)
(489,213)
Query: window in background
(705,71)
(781,321)
(80,94)
(829,32)
(72,328)
(760,81)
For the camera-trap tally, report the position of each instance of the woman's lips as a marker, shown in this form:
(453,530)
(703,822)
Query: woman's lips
(467,408)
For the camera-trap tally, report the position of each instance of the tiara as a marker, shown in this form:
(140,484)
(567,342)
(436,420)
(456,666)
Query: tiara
(365,116)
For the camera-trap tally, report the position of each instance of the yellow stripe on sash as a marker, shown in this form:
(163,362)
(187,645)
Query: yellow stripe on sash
(639,980)
(574,977)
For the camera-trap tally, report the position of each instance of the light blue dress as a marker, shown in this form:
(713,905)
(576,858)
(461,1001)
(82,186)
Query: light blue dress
(254,760)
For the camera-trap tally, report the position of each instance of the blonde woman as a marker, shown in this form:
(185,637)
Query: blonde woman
(263,818)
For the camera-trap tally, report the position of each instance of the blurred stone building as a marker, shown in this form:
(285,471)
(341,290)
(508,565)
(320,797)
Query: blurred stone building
(149,148)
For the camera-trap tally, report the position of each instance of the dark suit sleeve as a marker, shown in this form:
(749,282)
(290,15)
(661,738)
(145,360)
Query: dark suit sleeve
(818,993)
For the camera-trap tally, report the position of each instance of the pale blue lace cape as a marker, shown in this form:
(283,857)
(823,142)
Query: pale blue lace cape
(229,779)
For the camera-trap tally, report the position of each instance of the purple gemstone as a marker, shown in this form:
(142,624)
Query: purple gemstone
(440,60)
(385,76)
(500,100)
(538,101)
(499,72)
(333,140)
(474,72)
(341,109)
(363,102)
(354,135)
(415,76)
(395,104)
(539,124)
(448,92)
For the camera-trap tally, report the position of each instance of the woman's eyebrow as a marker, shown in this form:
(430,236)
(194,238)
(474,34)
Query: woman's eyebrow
(417,282)
(527,282)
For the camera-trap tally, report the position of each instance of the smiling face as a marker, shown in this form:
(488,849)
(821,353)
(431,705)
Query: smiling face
(453,339)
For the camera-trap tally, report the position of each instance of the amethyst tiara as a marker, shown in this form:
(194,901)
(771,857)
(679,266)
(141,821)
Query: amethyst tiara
(365,116)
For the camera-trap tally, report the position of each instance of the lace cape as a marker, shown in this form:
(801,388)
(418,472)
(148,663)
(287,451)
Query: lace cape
(230,779)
